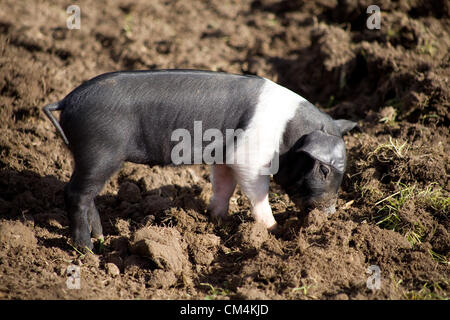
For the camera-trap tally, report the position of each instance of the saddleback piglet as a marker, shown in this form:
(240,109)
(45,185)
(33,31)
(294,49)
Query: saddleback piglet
(246,127)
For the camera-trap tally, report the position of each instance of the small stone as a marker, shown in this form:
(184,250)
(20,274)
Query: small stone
(112,269)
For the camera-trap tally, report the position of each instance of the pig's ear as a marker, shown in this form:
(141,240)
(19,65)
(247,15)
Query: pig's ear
(324,147)
(345,125)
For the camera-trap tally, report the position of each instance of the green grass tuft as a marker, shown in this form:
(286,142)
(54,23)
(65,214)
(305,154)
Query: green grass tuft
(439,257)
(436,198)
(388,217)
(416,234)
(214,292)
(429,291)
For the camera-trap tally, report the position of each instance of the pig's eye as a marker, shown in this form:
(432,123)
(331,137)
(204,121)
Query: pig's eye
(325,171)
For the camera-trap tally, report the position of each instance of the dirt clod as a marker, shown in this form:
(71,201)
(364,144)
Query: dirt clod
(154,204)
(315,219)
(163,279)
(16,235)
(252,235)
(203,247)
(112,269)
(129,192)
(164,247)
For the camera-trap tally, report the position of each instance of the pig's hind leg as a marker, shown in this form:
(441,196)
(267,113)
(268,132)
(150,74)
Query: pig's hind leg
(223,185)
(87,180)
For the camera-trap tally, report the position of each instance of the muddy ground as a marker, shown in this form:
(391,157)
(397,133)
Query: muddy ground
(159,244)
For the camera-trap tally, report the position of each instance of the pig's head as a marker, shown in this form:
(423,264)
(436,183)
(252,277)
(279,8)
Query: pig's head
(311,171)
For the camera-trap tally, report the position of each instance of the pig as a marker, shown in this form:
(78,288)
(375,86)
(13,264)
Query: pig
(131,116)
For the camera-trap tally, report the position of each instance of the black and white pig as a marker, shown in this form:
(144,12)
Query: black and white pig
(132,115)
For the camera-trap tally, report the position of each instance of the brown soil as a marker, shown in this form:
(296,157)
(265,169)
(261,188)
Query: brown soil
(159,244)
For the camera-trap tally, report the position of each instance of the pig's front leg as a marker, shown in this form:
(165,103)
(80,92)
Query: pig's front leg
(256,187)
(223,185)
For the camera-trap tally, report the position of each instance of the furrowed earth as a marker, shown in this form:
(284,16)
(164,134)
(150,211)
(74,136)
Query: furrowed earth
(159,243)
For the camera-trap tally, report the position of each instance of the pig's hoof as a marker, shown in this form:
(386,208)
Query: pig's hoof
(98,237)
(82,246)
(276,229)
(220,219)
(217,217)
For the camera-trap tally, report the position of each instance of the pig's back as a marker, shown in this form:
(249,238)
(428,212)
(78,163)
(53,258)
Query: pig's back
(145,107)
(178,97)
